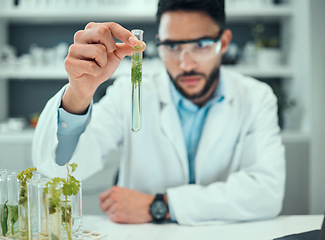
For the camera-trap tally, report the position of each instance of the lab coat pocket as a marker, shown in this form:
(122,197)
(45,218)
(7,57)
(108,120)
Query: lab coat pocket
(244,153)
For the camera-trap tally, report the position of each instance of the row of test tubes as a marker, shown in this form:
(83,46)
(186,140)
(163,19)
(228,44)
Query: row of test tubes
(31,214)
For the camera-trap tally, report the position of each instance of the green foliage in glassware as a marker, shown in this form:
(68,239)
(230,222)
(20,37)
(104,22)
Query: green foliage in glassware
(70,187)
(54,195)
(13,217)
(136,69)
(23,177)
(4,218)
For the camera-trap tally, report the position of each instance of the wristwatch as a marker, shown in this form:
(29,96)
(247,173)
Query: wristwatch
(158,209)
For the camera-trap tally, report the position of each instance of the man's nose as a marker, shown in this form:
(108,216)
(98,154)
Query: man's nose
(187,63)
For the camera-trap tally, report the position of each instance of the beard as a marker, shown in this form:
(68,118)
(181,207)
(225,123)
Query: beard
(209,80)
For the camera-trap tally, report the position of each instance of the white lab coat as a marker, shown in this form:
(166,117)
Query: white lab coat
(239,165)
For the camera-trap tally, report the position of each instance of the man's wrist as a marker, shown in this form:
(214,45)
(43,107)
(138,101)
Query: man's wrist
(73,103)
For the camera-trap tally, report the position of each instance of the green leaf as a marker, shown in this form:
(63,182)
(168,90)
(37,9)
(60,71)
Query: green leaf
(73,166)
(13,214)
(23,177)
(4,218)
(136,69)
(54,193)
(54,237)
(57,180)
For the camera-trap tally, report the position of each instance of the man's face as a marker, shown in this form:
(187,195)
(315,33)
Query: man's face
(189,75)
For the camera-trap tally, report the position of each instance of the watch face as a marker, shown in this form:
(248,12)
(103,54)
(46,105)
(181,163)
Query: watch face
(159,210)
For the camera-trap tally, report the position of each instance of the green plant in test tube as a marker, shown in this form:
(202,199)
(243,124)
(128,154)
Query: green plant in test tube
(53,196)
(3,204)
(42,212)
(13,219)
(4,219)
(13,195)
(136,78)
(23,177)
(69,186)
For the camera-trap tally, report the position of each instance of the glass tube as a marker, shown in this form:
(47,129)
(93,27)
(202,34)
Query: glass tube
(76,212)
(54,212)
(33,208)
(136,78)
(71,207)
(23,208)
(42,211)
(13,196)
(23,213)
(3,205)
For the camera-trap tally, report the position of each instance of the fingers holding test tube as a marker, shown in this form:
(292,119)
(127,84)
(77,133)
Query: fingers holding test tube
(92,59)
(128,39)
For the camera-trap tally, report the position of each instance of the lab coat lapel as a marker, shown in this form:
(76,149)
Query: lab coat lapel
(171,127)
(213,135)
(170,123)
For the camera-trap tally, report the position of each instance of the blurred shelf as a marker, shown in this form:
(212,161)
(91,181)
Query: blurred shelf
(46,16)
(48,73)
(39,73)
(17,137)
(35,73)
(255,71)
(128,14)
(267,12)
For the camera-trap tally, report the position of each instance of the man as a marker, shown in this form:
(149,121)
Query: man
(209,148)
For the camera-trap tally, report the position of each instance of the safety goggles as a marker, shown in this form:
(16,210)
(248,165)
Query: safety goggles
(198,49)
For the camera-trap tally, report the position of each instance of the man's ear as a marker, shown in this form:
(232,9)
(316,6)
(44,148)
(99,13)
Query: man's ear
(225,41)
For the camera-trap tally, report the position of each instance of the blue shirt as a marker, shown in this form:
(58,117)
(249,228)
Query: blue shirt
(192,120)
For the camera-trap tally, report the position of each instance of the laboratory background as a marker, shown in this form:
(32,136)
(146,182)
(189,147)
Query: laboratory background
(278,42)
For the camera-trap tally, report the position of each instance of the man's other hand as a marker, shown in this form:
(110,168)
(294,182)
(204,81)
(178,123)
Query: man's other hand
(124,205)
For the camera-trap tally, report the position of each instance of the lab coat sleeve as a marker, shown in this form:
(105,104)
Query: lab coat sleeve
(102,134)
(254,188)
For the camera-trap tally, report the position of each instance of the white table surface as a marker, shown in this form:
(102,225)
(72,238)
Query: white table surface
(266,229)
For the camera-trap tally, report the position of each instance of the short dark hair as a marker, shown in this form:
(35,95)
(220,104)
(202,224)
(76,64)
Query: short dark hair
(214,8)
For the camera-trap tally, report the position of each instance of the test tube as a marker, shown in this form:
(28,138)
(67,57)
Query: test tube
(13,196)
(33,208)
(3,205)
(42,211)
(136,78)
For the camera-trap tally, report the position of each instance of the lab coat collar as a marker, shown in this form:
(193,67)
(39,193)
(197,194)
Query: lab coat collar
(225,88)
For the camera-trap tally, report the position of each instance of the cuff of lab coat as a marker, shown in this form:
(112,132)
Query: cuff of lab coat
(171,211)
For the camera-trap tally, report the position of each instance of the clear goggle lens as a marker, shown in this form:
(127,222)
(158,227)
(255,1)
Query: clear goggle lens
(202,49)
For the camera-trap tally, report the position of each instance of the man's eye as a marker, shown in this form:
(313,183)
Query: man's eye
(172,47)
(204,43)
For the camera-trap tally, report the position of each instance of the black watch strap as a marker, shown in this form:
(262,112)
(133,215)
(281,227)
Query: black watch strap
(159,196)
